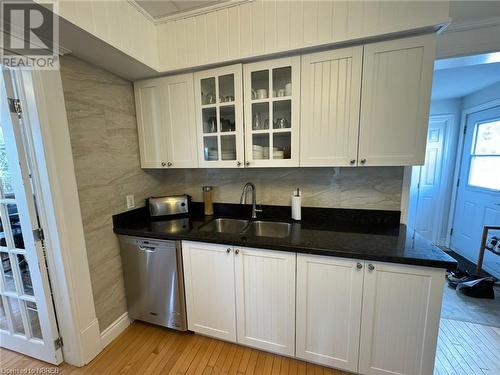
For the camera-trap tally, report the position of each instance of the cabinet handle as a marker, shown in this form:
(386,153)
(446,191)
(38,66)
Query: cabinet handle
(352,161)
(247,163)
(238,163)
(236,251)
(163,163)
(169,164)
(363,161)
(371,267)
(359,266)
(228,250)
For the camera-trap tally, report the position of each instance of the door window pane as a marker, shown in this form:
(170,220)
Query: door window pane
(25,274)
(228,147)
(260,84)
(33,320)
(488,139)
(226,88)
(208,91)
(485,156)
(15,226)
(8,273)
(260,116)
(282,81)
(5,176)
(282,113)
(209,120)
(3,317)
(260,145)
(210,148)
(15,314)
(282,145)
(227,121)
(3,241)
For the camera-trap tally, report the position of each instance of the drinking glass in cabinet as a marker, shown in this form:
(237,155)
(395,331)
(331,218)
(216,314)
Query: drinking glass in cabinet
(260,146)
(282,81)
(260,116)
(210,148)
(260,84)
(282,114)
(209,120)
(282,145)
(208,91)
(228,147)
(226,88)
(226,120)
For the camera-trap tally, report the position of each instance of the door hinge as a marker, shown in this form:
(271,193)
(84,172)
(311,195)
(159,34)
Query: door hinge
(38,234)
(465,129)
(58,343)
(458,182)
(15,106)
(451,232)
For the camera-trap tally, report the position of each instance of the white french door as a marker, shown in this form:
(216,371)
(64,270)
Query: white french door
(27,319)
(478,195)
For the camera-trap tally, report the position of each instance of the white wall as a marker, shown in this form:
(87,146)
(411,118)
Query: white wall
(482,96)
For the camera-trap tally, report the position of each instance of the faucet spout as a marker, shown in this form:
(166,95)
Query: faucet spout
(243,198)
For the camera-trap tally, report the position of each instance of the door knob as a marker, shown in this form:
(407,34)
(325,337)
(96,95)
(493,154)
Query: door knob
(371,267)
(363,161)
(352,161)
(169,164)
(359,266)
(238,163)
(247,163)
(236,251)
(228,250)
(163,163)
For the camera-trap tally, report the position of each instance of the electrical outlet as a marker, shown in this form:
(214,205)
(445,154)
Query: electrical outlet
(130,201)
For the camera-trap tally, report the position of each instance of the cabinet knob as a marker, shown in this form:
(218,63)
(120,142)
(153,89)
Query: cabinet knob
(363,161)
(238,163)
(352,161)
(247,163)
(228,250)
(359,266)
(169,164)
(236,251)
(371,267)
(163,163)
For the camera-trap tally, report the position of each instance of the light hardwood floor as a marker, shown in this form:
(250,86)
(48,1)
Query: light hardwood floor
(463,349)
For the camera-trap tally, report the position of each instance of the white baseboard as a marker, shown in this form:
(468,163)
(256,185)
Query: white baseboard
(114,330)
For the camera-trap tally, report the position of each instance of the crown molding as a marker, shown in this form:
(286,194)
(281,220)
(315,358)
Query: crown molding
(189,13)
(476,24)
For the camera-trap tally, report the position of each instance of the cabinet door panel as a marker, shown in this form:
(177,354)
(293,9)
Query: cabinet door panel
(397,80)
(330,101)
(210,291)
(265,299)
(400,319)
(329,294)
(150,124)
(181,139)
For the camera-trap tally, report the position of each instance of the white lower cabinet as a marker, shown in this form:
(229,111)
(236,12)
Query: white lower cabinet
(329,297)
(265,299)
(400,319)
(210,292)
(365,317)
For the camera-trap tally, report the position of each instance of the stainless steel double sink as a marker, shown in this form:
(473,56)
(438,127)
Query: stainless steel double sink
(258,228)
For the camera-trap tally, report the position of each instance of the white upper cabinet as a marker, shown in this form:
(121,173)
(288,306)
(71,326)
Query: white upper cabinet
(219,117)
(400,319)
(265,299)
(210,291)
(166,122)
(272,108)
(330,102)
(397,80)
(329,297)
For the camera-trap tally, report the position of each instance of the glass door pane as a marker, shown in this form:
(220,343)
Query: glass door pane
(282,145)
(211,148)
(228,147)
(260,146)
(282,114)
(226,88)
(208,94)
(282,82)
(260,84)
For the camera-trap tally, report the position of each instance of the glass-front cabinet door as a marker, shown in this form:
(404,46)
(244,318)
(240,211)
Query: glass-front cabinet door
(272,94)
(219,117)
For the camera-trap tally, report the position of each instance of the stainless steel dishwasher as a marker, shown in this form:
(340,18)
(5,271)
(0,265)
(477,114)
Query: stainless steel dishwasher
(154,281)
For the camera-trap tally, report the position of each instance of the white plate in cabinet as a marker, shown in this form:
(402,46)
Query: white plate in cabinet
(272,112)
(219,117)
(265,299)
(400,319)
(165,119)
(330,102)
(329,298)
(210,289)
(396,89)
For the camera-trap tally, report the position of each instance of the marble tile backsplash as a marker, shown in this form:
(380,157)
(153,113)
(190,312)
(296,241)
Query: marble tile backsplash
(103,130)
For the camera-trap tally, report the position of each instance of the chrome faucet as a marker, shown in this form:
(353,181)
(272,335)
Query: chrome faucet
(243,198)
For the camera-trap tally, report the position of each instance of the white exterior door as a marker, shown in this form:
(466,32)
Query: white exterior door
(265,299)
(396,89)
(429,205)
(400,319)
(478,196)
(210,292)
(27,318)
(330,101)
(329,296)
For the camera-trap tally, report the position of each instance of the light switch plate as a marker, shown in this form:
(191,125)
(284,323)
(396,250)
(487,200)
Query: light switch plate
(130,201)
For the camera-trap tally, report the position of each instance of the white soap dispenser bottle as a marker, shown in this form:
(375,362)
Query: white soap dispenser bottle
(296,205)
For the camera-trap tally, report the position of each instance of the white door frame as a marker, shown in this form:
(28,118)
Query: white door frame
(463,122)
(54,181)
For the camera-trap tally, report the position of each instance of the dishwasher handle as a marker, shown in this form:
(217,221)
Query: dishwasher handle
(147,249)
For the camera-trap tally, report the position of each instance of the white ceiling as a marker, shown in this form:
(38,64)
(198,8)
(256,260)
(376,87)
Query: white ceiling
(159,9)
(462,81)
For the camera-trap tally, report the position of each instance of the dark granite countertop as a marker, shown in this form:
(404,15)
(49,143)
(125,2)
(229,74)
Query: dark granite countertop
(360,234)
